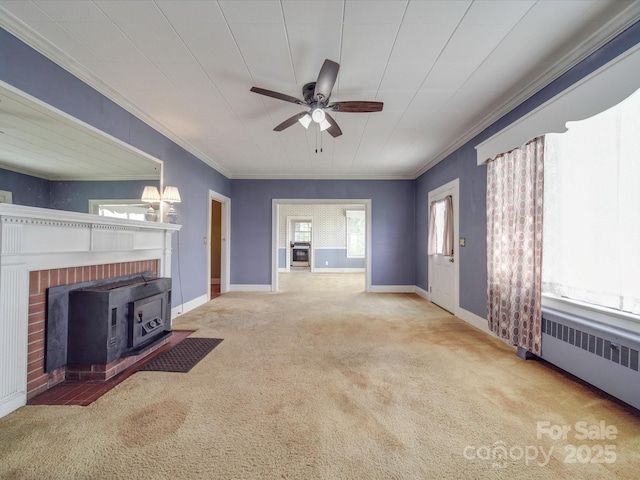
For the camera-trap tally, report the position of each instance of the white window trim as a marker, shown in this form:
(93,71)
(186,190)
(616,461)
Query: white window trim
(354,213)
(607,316)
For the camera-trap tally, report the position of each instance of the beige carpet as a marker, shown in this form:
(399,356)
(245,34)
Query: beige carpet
(324,381)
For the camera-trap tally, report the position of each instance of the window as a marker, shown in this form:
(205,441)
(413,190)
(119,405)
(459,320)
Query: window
(355,233)
(592,210)
(302,232)
(6,196)
(129,209)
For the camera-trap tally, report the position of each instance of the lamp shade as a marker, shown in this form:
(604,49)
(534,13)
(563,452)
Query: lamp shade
(171,194)
(150,194)
(318,115)
(305,120)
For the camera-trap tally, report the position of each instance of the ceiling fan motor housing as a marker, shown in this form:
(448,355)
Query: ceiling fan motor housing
(308,91)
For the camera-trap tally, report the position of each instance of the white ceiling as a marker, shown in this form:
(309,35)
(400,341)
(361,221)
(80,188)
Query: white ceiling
(444,69)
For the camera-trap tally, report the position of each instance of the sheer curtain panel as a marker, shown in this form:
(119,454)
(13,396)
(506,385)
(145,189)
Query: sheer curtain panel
(515,185)
(592,210)
(440,232)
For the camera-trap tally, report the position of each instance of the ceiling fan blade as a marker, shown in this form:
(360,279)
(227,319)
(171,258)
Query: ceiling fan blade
(334,129)
(289,121)
(279,96)
(326,80)
(356,107)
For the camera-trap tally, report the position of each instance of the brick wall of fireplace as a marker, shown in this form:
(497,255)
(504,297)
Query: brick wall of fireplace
(38,380)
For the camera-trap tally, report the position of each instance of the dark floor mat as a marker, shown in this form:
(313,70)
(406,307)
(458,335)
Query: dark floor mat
(182,357)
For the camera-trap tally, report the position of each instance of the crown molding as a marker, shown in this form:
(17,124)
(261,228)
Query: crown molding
(19,29)
(601,37)
(283,176)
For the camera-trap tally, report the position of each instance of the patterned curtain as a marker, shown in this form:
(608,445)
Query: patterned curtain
(514,245)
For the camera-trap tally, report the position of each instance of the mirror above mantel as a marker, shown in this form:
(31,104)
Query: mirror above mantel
(53,160)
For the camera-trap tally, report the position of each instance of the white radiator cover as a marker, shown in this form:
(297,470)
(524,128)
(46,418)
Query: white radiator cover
(604,356)
(40,239)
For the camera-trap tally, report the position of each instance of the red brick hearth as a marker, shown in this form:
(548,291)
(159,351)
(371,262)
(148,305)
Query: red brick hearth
(38,380)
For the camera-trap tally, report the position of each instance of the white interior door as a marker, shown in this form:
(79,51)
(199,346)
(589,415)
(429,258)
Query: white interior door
(443,270)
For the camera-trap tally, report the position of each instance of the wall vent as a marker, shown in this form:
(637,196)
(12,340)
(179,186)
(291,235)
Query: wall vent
(612,351)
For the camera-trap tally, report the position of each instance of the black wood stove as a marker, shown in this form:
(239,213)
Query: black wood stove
(99,323)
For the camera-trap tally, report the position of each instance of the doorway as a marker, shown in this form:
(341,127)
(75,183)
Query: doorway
(279,257)
(444,269)
(299,253)
(218,246)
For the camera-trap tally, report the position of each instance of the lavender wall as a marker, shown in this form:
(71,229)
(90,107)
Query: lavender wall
(392,224)
(472,258)
(27,70)
(25,189)
(75,196)
(71,196)
(462,164)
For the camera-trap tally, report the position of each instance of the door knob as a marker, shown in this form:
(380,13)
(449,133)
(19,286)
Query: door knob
(450,259)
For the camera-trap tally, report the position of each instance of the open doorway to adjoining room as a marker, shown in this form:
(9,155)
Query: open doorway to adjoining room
(218,246)
(321,236)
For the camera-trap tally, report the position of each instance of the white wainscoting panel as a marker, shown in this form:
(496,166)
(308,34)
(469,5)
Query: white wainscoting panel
(14,281)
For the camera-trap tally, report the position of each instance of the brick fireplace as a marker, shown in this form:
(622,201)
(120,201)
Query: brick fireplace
(38,380)
(42,248)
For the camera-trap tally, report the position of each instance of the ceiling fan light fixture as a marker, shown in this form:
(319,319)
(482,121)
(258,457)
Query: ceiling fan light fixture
(324,124)
(316,98)
(305,120)
(318,115)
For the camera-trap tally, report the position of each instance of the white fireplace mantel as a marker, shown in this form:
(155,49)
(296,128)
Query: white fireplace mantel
(41,239)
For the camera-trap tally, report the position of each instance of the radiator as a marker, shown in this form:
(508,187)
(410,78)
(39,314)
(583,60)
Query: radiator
(601,355)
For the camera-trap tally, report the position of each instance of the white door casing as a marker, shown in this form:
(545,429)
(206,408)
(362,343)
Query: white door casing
(225,232)
(275,219)
(444,271)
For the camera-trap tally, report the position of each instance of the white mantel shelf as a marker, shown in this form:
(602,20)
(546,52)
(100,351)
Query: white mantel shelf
(41,239)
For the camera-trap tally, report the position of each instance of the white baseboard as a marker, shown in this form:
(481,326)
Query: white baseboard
(13,403)
(190,305)
(423,293)
(465,315)
(474,320)
(393,289)
(338,270)
(241,287)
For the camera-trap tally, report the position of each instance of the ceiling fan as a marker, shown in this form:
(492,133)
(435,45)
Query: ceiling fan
(316,96)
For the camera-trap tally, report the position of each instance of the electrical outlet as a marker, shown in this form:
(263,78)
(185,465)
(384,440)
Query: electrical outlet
(326,263)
